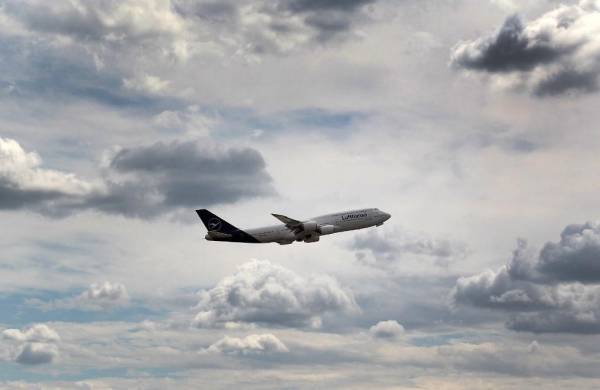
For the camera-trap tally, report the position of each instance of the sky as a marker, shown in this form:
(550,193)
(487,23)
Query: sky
(472,122)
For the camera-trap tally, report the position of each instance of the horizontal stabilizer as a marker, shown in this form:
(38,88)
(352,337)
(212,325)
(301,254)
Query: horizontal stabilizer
(215,234)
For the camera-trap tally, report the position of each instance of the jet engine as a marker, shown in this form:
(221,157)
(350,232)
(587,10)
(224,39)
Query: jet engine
(311,231)
(310,226)
(325,229)
(311,237)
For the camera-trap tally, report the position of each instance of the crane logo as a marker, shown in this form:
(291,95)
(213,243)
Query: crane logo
(214,224)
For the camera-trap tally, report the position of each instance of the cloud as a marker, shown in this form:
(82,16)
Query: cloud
(556,290)
(33,346)
(278,27)
(390,329)
(252,344)
(510,49)
(37,333)
(576,257)
(97,297)
(163,177)
(551,55)
(170,29)
(143,182)
(262,292)
(124,53)
(37,353)
(42,65)
(146,83)
(320,5)
(105,23)
(390,246)
(329,19)
(129,54)
(24,183)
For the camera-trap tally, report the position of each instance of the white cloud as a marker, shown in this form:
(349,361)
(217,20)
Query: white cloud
(252,344)
(21,171)
(33,346)
(263,292)
(37,333)
(97,297)
(390,329)
(146,83)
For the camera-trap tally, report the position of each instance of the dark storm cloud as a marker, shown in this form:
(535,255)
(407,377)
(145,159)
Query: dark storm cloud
(143,182)
(510,49)
(576,258)
(554,54)
(35,353)
(556,290)
(572,321)
(328,19)
(567,80)
(219,11)
(184,174)
(12,197)
(320,5)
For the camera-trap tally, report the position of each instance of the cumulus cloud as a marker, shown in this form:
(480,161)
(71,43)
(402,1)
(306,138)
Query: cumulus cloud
(576,257)
(144,181)
(37,353)
(252,344)
(551,55)
(37,333)
(23,182)
(387,247)
(262,292)
(390,329)
(97,297)
(556,290)
(35,345)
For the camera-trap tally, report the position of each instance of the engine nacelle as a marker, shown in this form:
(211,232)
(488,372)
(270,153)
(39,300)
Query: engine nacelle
(310,226)
(311,237)
(325,229)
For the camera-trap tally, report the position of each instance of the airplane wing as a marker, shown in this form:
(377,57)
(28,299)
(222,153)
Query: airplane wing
(292,224)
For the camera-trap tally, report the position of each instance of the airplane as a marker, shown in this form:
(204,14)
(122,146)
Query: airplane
(292,229)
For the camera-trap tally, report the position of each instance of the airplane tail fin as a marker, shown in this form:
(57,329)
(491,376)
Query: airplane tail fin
(214,223)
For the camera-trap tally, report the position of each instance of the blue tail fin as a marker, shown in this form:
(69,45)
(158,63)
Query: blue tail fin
(220,230)
(214,223)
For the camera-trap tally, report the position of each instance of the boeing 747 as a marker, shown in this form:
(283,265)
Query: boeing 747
(292,229)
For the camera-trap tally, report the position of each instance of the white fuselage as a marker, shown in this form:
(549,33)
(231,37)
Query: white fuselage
(327,224)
